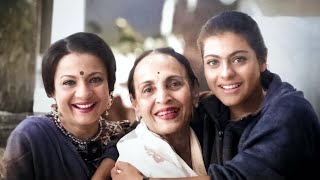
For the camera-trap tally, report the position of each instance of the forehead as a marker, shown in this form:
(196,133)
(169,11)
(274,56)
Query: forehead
(225,42)
(158,65)
(73,63)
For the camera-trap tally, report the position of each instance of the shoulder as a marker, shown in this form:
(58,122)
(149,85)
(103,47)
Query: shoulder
(32,124)
(290,108)
(289,119)
(285,104)
(22,138)
(33,129)
(133,135)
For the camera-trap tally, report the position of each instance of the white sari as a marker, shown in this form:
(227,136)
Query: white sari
(155,158)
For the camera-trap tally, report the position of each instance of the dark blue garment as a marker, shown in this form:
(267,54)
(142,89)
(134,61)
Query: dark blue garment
(280,141)
(38,150)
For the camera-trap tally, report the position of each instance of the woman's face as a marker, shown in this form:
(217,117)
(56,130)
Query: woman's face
(163,95)
(81,90)
(231,68)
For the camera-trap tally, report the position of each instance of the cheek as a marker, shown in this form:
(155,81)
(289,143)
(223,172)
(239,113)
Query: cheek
(210,76)
(144,107)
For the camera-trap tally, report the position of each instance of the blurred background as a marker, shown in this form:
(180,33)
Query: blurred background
(28,27)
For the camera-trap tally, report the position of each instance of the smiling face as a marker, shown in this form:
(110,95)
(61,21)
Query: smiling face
(162,94)
(232,69)
(81,90)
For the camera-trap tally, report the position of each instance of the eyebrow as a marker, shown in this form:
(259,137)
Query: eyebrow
(144,83)
(89,75)
(232,54)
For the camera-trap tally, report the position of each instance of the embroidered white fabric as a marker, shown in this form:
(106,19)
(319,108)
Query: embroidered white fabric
(154,157)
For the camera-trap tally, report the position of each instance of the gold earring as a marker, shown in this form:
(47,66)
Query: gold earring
(109,103)
(111,98)
(54,111)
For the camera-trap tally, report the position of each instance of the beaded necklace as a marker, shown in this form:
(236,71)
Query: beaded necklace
(81,144)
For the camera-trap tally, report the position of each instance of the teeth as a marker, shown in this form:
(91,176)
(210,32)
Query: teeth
(84,106)
(230,86)
(166,112)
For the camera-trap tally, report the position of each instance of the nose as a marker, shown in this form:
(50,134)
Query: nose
(162,96)
(83,91)
(227,71)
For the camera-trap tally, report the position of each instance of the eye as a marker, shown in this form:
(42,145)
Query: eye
(95,80)
(175,84)
(239,59)
(147,90)
(212,62)
(68,82)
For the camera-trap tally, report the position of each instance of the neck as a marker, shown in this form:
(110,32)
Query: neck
(83,132)
(248,106)
(180,142)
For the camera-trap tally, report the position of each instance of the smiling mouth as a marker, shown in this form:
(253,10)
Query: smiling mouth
(228,87)
(83,106)
(164,113)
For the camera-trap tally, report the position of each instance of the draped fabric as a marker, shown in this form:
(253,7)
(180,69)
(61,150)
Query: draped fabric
(154,157)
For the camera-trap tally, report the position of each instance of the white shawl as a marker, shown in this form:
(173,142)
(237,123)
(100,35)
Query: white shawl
(154,157)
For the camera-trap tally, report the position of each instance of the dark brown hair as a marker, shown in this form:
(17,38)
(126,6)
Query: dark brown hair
(81,42)
(238,23)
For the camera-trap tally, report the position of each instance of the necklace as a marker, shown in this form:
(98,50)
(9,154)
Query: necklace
(79,142)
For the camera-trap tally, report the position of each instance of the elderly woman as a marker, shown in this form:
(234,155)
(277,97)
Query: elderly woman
(163,144)
(78,72)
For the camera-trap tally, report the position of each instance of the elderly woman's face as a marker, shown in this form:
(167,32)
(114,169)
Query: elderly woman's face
(81,89)
(163,95)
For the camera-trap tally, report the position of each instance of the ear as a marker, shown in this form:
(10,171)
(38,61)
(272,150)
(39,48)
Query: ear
(110,98)
(134,103)
(263,67)
(195,95)
(53,96)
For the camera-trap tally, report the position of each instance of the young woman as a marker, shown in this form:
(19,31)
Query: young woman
(255,126)
(78,72)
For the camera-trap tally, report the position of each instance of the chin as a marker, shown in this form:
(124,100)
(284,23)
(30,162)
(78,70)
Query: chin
(229,102)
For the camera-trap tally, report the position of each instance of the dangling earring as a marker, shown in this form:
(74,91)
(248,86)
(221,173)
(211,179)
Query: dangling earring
(54,111)
(139,118)
(109,103)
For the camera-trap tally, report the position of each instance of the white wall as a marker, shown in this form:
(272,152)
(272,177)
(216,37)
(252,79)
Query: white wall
(68,17)
(292,42)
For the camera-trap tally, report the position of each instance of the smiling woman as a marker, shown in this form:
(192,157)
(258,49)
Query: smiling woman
(163,144)
(78,72)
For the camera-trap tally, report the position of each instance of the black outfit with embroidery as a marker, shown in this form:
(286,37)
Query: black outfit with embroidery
(38,149)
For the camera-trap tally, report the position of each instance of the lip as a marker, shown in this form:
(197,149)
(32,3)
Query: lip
(167,113)
(84,107)
(230,87)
